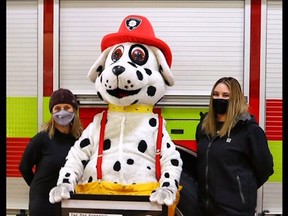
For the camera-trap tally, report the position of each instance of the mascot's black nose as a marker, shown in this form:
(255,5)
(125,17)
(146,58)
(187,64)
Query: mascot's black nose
(117,70)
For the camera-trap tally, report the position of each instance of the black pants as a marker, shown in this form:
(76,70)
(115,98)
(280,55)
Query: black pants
(39,205)
(212,209)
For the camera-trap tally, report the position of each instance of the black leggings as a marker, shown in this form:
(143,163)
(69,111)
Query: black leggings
(39,205)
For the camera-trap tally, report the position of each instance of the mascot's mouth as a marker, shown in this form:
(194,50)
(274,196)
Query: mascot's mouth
(120,93)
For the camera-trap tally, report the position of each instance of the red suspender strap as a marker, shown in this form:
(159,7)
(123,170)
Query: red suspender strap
(158,147)
(100,147)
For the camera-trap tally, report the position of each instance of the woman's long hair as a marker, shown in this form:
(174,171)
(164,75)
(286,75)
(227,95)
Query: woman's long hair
(236,106)
(76,126)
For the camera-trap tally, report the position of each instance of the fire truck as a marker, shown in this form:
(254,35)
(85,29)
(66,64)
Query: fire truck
(53,43)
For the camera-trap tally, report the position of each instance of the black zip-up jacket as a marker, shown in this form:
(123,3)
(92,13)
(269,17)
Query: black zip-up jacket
(231,169)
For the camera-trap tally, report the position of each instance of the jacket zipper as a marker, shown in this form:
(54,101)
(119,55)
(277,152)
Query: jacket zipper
(206,170)
(240,189)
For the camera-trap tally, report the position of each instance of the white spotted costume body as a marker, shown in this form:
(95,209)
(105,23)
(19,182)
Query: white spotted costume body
(131,75)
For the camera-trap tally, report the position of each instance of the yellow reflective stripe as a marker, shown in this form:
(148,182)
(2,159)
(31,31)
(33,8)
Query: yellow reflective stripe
(21,116)
(276,151)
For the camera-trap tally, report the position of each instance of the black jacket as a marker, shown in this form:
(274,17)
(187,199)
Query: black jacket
(231,169)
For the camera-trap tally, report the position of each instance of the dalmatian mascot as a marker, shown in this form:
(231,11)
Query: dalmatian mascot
(126,149)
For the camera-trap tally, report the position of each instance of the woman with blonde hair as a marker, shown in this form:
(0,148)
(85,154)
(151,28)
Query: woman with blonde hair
(233,158)
(46,152)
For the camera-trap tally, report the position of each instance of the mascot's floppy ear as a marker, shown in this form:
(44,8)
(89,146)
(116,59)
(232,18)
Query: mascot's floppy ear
(163,66)
(98,66)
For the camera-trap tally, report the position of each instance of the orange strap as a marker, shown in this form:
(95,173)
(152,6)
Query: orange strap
(101,143)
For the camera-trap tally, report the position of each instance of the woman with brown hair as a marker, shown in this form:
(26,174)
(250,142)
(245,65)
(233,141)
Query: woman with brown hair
(46,152)
(233,158)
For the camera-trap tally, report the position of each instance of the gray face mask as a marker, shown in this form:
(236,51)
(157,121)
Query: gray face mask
(63,117)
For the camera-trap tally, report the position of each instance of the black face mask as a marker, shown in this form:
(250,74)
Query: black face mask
(220,105)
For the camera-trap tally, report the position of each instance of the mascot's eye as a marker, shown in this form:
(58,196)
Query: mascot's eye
(138,54)
(117,53)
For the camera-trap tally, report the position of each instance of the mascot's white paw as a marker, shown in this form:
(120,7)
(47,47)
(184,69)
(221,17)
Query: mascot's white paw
(163,196)
(59,193)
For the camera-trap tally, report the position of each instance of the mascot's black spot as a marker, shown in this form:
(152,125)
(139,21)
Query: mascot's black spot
(168,145)
(153,191)
(130,161)
(85,143)
(99,95)
(176,183)
(148,71)
(126,86)
(107,144)
(142,146)
(148,167)
(84,162)
(160,69)
(100,69)
(101,79)
(67,174)
(167,83)
(136,101)
(90,179)
(167,175)
(139,75)
(174,162)
(133,183)
(152,122)
(166,184)
(151,91)
(117,166)
(66,180)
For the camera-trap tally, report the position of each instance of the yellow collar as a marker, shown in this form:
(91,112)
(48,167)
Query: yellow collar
(131,108)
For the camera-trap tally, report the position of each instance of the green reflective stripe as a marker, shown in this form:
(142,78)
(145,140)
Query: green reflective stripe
(276,150)
(46,111)
(21,116)
(183,113)
(181,129)
(181,123)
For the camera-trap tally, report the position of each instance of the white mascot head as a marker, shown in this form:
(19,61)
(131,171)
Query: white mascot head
(134,66)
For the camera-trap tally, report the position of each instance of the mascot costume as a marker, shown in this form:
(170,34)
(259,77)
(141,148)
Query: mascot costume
(126,149)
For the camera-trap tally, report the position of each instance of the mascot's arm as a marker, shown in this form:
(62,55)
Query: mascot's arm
(76,160)
(171,168)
